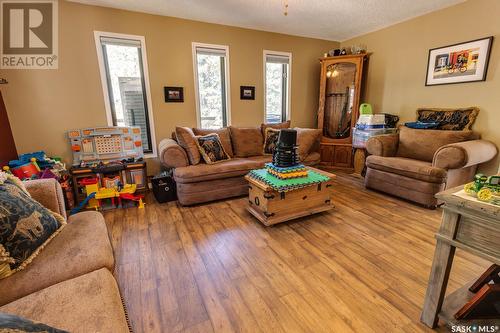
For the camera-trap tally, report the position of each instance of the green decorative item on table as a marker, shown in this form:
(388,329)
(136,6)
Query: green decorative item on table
(484,188)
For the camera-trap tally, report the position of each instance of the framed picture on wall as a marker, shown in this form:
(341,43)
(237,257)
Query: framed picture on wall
(247,92)
(174,94)
(459,63)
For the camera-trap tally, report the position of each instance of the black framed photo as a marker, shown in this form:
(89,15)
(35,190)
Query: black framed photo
(247,92)
(174,94)
(459,63)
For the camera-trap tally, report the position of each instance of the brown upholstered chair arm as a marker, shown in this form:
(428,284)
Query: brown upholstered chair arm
(48,192)
(383,145)
(464,154)
(171,154)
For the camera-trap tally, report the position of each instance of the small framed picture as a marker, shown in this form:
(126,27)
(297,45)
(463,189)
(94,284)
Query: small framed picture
(459,63)
(247,92)
(174,94)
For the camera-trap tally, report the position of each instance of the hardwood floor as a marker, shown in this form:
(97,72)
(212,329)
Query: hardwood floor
(362,267)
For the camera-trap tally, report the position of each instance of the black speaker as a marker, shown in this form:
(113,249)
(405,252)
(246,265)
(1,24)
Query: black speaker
(285,154)
(164,188)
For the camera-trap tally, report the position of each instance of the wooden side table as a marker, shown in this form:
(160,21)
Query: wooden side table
(471,226)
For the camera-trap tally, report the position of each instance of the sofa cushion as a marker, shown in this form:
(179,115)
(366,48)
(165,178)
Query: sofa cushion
(232,168)
(247,141)
(26,226)
(407,167)
(211,148)
(187,140)
(421,144)
(81,247)
(285,124)
(210,190)
(307,138)
(88,303)
(312,159)
(224,135)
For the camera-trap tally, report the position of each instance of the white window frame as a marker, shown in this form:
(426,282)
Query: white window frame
(194,45)
(105,88)
(289,85)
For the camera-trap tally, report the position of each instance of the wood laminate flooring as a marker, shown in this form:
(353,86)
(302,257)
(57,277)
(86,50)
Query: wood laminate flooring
(361,267)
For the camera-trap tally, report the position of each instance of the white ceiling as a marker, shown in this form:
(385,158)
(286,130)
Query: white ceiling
(336,20)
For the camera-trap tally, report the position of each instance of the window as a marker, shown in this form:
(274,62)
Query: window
(277,86)
(211,71)
(124,76)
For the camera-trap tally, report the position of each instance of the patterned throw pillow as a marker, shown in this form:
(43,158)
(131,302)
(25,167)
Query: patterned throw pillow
(25,226)
(13,323)
(270,140)
(211,148)
(449,119)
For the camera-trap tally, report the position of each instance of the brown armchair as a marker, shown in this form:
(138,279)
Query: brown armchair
(416,164)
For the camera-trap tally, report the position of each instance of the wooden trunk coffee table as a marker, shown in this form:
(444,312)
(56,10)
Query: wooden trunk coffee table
(271,207)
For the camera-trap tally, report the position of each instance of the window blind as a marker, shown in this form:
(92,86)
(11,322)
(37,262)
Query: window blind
(277,59)
(210,51)
(120,41)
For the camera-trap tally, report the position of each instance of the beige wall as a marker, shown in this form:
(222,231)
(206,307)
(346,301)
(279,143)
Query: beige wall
(44,104)
(398,65)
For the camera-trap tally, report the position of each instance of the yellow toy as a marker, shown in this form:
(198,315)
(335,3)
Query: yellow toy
(95,194)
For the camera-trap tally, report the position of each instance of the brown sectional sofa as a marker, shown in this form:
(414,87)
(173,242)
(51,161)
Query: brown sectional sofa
(416,164)
(208,182)
(69,285)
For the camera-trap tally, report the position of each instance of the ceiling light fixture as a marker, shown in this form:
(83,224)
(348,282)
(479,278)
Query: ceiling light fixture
(285,7)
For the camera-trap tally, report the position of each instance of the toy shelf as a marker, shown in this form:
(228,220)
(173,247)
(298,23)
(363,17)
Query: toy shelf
(126,173)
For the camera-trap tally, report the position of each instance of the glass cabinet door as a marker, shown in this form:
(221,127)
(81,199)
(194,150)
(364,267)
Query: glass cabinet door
(339,100)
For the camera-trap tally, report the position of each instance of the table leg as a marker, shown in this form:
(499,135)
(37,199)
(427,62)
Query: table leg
(438,280)
(440,271)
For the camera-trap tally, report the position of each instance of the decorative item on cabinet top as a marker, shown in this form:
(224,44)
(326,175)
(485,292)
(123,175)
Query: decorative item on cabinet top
(340,91)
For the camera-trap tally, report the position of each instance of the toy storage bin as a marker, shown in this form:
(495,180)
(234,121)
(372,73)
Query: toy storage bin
(164,188)
(360,136)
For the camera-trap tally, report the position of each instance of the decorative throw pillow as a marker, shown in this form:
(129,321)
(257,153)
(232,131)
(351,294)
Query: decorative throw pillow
(25,226)
(224,135)
(285,124)
(13,323)
(211,148)
(307,139)
(187,140)
(247,141)
(270,140)
(449,119)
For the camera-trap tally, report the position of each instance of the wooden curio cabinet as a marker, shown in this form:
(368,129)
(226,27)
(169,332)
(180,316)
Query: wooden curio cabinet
(339,94)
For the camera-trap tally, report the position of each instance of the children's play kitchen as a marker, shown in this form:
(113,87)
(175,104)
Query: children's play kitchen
(108,167)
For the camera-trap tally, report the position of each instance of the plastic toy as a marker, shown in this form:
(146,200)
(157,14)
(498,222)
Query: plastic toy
(99,144)
(26,171)
(96,194)
(82,204)
(36,165)
(131,197)
(365,108)
(486,189)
